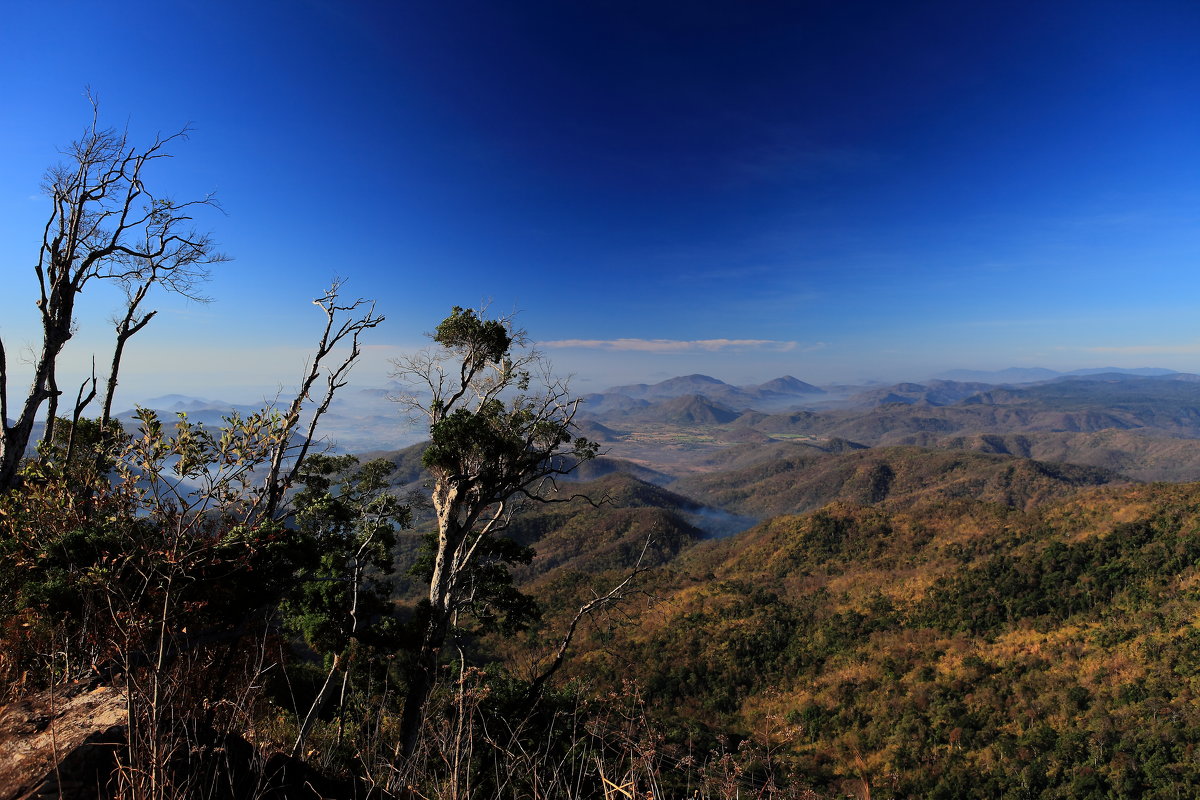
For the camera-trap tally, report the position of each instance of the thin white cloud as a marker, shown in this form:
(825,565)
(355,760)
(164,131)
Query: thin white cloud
(683,345)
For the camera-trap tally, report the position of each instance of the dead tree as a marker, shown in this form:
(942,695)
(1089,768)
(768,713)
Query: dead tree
(104,224)
(345,321)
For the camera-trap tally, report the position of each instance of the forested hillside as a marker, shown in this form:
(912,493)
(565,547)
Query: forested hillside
(900,622)
(935,624)
(956,648)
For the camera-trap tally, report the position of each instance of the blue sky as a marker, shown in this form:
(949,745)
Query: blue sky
(837,191)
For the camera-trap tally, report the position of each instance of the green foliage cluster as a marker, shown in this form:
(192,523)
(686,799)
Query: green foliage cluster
(346,522)
(138,560)
(1136,563)
(479,341)
(105,566)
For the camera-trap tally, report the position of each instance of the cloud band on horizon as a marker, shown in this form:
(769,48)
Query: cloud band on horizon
(682,345)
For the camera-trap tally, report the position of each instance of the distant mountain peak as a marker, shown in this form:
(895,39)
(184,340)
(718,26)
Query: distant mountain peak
(671,387)
(788,385)
(174,400)
(1146,372)
(696,409)
(694,378)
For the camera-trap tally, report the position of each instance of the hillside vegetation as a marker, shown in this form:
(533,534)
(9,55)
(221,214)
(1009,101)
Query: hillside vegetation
(953,648)
(898,475)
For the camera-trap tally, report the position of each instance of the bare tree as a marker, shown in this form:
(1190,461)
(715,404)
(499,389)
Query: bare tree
(105,224)
(494,442)
(345,321)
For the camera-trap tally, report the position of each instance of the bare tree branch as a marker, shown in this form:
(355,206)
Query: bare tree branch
(610,598)
(343,323)
(81,403)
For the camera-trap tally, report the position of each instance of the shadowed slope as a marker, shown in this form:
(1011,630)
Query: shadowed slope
(896,475)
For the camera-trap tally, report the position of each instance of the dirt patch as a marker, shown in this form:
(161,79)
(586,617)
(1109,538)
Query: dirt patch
(39,730)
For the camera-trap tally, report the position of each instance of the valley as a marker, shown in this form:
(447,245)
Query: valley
(1144,426)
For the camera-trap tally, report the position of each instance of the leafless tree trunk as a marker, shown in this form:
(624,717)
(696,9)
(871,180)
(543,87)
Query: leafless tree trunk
(104,224)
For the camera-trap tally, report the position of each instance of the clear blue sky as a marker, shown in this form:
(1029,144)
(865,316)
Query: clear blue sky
(832,190)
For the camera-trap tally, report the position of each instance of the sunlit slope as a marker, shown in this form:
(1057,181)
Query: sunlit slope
(897,475)
(1135,453)
(954,648)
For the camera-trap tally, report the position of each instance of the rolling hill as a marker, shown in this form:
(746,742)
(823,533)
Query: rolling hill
(782,392)
(897,476)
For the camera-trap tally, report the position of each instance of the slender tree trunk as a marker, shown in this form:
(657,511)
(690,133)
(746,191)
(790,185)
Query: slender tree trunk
(56,332)
(16,436)
(421,680)
(317,707)
(111,388)
(441,587)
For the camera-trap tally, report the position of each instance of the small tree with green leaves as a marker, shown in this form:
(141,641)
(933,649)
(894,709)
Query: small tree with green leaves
(348,519)
(500,428)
